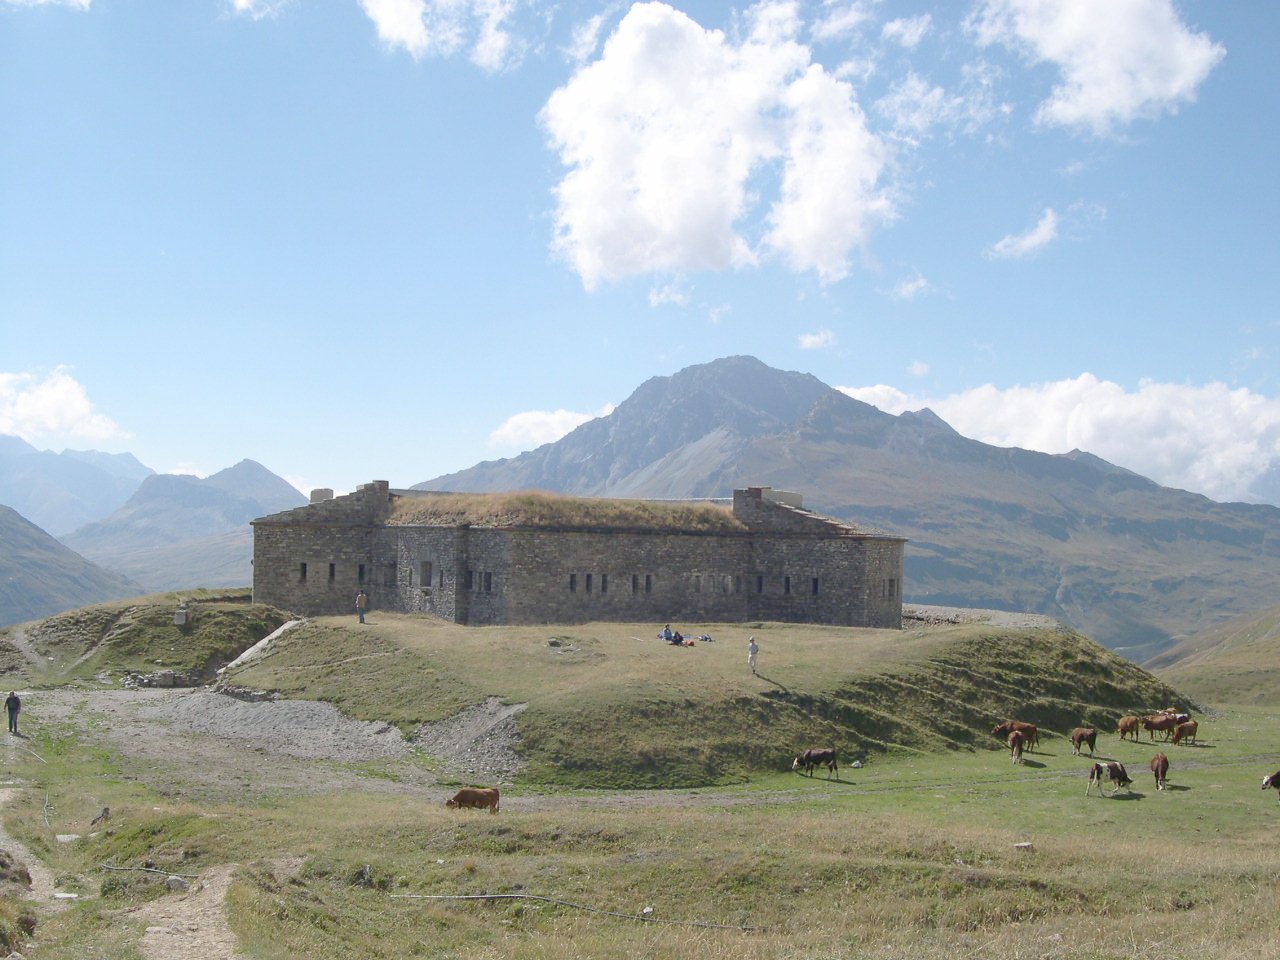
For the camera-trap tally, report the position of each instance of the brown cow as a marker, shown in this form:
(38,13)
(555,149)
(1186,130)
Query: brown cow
(1160,768)
(1081,735)
(1130,724)
(1111,770)
(1030,735)
(1016,742)
(1185,731)
(1164,722)
(824,757)
(476,798)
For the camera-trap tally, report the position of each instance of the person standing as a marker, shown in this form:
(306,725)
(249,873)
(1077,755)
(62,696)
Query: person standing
(362,603)
(753,648)
(12,705)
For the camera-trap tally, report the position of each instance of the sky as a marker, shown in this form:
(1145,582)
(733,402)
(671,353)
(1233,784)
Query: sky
(389,239)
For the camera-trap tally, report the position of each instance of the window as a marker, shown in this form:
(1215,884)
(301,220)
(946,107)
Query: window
(424,572)
(302,572)
(471,579)
(588,583)
(648,583)
(815,586)
(697,583)
(360,573)
(604,583)
(737,584)
(573,582)
(333,572)
(390,578)
(759,584)
(488,582)
(635,583)
(786,585)
(441,583)
(888,589)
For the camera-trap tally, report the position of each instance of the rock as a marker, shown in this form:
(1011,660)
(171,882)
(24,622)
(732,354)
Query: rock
(176,885)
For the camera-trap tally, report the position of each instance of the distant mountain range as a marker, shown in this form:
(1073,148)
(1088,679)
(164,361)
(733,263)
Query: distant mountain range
(60,492)
(145,531)
(180,531)
(40,577)
(1132,564)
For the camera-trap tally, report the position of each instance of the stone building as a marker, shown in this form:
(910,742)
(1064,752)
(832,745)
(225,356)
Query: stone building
(541,558)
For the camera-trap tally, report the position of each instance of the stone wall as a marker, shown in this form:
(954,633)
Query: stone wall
(792,566)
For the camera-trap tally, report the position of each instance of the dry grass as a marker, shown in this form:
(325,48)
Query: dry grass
(539,509)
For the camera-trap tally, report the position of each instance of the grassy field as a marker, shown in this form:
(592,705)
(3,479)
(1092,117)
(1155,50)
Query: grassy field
(914,854)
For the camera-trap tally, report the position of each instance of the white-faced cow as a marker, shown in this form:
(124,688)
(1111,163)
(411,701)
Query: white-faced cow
(1082,735)
(1030,735)
(1272,783)
(1111,770)
(1016,742)
(1160,769)
(822,757)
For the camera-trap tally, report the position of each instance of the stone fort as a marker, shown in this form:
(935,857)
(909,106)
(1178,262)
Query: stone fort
(486,559)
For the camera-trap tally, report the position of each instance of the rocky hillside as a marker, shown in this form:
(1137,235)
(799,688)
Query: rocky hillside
(1126,561)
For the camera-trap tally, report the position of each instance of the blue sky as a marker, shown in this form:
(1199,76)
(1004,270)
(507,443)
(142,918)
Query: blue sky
(388,239)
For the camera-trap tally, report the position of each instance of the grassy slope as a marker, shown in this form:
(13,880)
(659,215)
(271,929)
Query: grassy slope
(1237,662)
(608,709)
(140,635)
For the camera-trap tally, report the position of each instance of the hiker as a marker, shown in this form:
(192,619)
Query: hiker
(666,633)
(362,603)
(753,648)
(12,705)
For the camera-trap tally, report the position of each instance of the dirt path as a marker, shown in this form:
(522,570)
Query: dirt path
(43,890)
(193,925)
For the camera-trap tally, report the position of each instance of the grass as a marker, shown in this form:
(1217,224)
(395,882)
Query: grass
(1236,662)
(908,856)
(540,509)
(914,854)
(610,706)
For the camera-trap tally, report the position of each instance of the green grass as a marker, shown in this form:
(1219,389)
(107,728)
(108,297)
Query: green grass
(606,709)
(1236,662)
(909,856)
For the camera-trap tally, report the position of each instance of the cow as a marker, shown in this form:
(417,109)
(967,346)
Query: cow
(476,798)
(1016,741)
(1030,735)
(1185,731)
(1176,714)
(1272,783)
(1129,725)
(1160,769)
(1081,735)
(1164,722)
(1111,770)
(821,757)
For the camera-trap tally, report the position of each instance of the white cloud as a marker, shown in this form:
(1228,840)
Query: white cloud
(425,28)
(258,9)
(913,106)
(53,408)
(717,313)
(907,31)
(817,341)
(918,368)
(911,287)
(839,20)
(671,294)
(585,39)
(533,428)
(675,136)
(1210,439)
(1016,246)
(1119,60)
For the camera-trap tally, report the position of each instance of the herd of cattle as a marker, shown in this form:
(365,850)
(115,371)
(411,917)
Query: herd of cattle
(1018,734)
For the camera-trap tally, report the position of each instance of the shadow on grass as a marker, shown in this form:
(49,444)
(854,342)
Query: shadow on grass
(1176,786)
(1033,764)
(780,686)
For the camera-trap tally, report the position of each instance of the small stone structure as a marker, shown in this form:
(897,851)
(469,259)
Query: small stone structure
(767,559)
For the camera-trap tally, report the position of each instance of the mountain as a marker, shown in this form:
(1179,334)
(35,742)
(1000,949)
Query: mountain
(1235,662)
(40,577)
(1135,565)
(62,491)
(180,531)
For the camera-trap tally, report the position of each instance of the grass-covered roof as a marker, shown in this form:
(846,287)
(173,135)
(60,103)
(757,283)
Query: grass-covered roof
(541,509)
